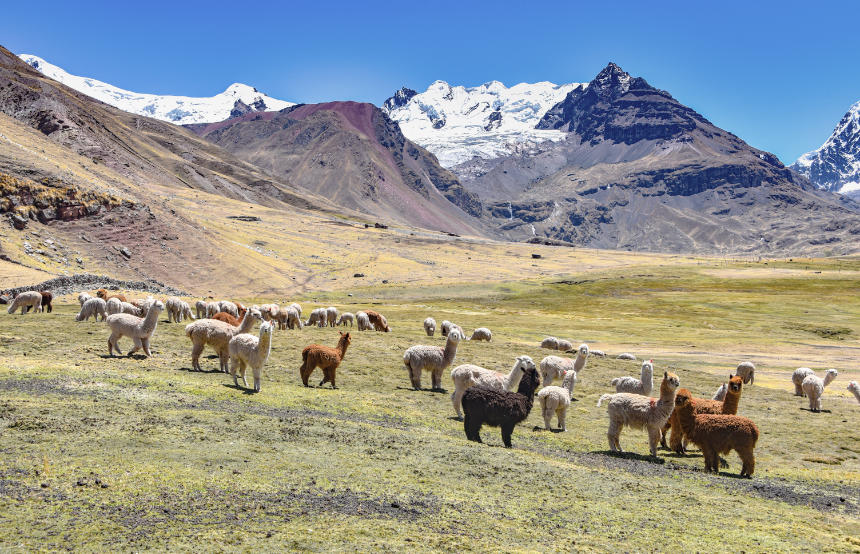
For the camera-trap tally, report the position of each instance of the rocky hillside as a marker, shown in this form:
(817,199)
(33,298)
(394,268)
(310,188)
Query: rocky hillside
(639,170)
(356,156)
(835,166)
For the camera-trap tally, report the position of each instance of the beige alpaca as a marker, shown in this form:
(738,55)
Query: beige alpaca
(331,314)
(813,388)
(555,400)
(25,301)
(140,330)
(83,297)
(746,371)
(429,326)
(201,307)
(217,334)
(549,342)
(248,350)
(554,367)
(434,359)
(854,388)
(469,375)
(93,307)
(482,333)
(638,412)
(294,318)
(797,378)
(642,386)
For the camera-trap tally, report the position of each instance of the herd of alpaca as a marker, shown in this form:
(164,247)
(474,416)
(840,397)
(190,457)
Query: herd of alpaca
(481,396)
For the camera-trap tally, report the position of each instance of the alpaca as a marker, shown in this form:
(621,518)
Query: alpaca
(83,297)
(564,345)
(139,329)
(721,392)
(729,406)
(625,356)
(555,400)
(229,307)
(598,353)
(248,350)
(445,327)
(346,317)
(294,318)
(637,411)
(130,309)
(429,326)
(327,358)
(217,334)
(269,311)
(642,386)
(227,318)
(717,434)
(553,367)
(435,359)
(747,372)
(468,375)
(47,299)
(331,314)
(797,378)
(178,310)
(297,307)
(94,307)
(550,343)
(854,388)
(201,307)
(813,388)
(25,301)
(280,318)
(113,306)
(317,317)
(379,322)
(212,308)
(363,322)
(499,408)
(145,305)
(103,294)
(482,333)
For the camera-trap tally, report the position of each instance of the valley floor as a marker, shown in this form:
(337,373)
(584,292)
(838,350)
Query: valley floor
(114,453)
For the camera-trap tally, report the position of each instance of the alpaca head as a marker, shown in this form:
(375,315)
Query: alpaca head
(670,383)
(853,386)
(569,379)
(530,381)
(101,293)
(524,363)
(345,339)
(830,376)
(684,396)
(648,368)
(265,330)
(454,336)
(736,382)
(158,306)
(583,350)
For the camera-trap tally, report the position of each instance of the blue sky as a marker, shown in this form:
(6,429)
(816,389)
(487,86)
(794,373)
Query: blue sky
(778,74)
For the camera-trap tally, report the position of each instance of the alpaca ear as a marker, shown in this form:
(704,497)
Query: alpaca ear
(665,375)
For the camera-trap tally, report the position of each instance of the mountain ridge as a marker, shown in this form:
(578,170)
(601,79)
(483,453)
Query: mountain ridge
(835,165)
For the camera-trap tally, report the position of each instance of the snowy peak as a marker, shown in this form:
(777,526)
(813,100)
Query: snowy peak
(835,166)
(237,99)
(459,123)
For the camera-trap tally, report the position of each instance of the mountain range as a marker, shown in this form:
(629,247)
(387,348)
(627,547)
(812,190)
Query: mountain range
(835,166)
(612,163)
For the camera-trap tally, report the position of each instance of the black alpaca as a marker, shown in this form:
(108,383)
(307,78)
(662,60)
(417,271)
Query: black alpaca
(499,408)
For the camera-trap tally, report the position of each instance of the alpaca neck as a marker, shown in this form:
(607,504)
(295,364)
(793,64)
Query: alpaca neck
(342,346)
(647,375)
(856,394)
(264,346)
(579,362)
(450,351)
(569,380)
(150,321)
(687,419)
(730,403)
(513,378)
(828,378)
(246,324)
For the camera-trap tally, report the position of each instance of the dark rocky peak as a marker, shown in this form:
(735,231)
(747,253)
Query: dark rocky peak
(400,98)
(239,108)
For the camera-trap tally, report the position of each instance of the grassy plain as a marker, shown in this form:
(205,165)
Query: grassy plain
(138,454)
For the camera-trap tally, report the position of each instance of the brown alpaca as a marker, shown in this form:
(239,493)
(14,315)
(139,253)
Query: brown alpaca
(103,294)
(227,318)
(378,321)
(717,434)
(327,358)
(729,406)
(47,298)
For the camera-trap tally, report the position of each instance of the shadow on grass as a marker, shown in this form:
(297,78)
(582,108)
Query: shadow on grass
(814,412)
(439,391)
(630,456)
(124,356)
(192,370)
(538,428)
(239,388)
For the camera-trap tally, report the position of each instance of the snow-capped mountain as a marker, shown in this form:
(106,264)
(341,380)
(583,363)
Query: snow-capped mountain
(836,165)
(458,123)
(238,99)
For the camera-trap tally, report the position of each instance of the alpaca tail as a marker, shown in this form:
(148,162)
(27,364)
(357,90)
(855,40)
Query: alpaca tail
(602,398)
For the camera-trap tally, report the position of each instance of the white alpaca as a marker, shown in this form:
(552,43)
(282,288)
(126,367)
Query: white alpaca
(435,359)
(468,375)
(145,305)
(130,309)
(346,317)
(94,307)
(637,411)
(363,322)
(564,345)
(83,297)
(746,371)
(331,316)
(217,334)
(813,387)
(797,378)
(228,307)
(139,329)
(429,326)
(294,318)
(445,327)
(482,333)
(212,308)
(553,367)
(625,356)
(317,317)
(598,353)
(113,306)
(177,310)
(269,311)
(202,309)
(721,392)
(549,342)
(296,307)
(854,388)
(248,350)
(25,301)
(642,386)
(555,400)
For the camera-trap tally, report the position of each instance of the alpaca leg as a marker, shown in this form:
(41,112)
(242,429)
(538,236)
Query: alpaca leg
(472,426)
(242,368)
(437,379)
(507,431)
(305,372)
(665,432)
(137,345)
(676,434)
(332,377)
(612,434)
(258,378)
(561,413)
(146,350)
(457,401)
(798,391)
(325,376)
(223,360)
(234,365)
(547,419)
(653,439)
(748,459)
(196,350)
(414,376)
